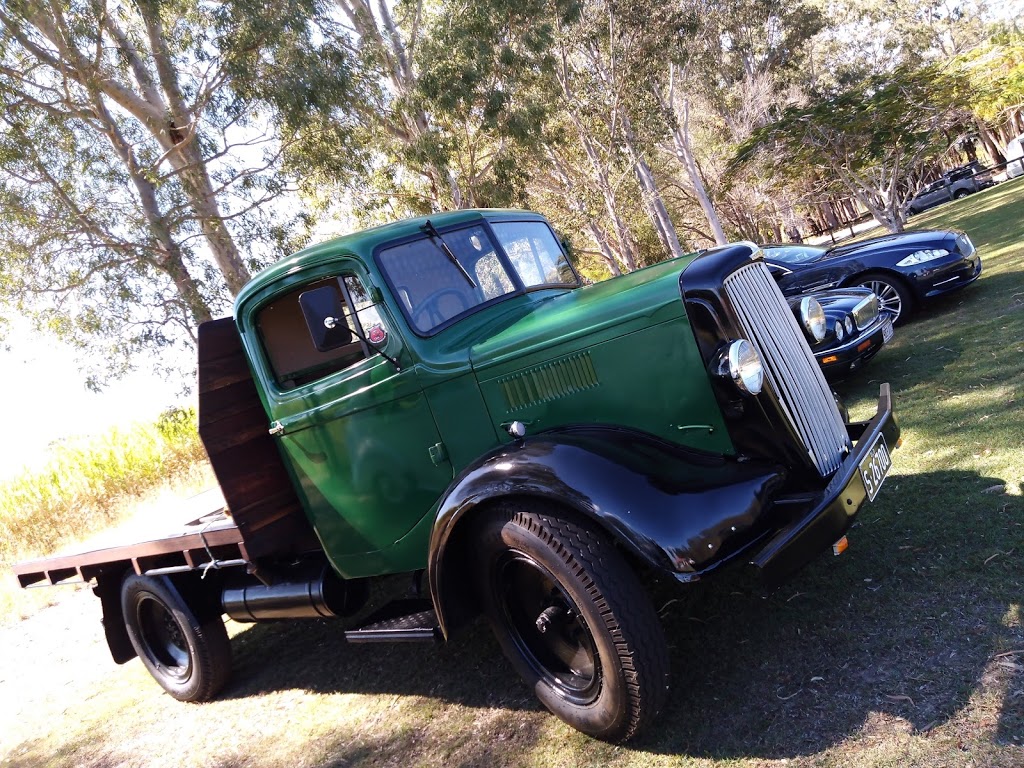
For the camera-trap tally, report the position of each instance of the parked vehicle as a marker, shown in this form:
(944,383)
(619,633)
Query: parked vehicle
(440,400)
(952,185)
(854,331)
(1014,155)
(904,270)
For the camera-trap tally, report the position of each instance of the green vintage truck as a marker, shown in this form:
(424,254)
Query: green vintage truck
(442,400)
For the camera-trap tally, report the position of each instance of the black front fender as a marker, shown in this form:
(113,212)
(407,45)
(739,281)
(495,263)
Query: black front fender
(681,511)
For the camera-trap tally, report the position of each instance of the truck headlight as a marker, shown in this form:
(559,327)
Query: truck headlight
(740,362)
(813,318)
(920,257)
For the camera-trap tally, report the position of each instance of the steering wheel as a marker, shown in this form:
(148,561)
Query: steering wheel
(430,307)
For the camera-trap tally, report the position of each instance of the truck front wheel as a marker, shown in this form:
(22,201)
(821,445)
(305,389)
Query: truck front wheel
(189,657)
(573,619)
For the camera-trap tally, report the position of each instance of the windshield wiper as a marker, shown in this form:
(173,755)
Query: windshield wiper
(435,237)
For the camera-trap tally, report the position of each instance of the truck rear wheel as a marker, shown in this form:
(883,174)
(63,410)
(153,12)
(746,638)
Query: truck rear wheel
(189,657)
(573,619)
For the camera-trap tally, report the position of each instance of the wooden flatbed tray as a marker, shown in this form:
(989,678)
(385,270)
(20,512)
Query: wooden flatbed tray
(187,534)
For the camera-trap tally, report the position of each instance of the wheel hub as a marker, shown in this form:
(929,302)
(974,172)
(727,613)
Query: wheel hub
(547,627)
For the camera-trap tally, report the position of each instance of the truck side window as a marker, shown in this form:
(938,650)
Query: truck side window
(294,359)
(534,252)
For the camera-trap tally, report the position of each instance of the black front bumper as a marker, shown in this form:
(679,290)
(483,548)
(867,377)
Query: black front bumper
(851,355)
(830,513)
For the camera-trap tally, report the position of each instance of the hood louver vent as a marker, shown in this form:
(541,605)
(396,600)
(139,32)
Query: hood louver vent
(547,382)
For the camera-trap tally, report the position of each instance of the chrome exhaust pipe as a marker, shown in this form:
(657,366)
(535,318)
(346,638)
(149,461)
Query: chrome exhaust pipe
(318,593)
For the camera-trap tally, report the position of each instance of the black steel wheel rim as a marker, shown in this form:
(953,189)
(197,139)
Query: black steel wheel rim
(163,639)
(548,628)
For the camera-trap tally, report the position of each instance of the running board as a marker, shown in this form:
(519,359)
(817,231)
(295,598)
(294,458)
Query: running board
(403,621)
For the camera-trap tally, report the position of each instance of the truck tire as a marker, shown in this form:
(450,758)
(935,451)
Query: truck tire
(189,657)
(960,194)
(573,619)
(893,295)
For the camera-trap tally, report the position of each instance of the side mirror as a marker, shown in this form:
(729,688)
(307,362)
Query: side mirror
(325,318)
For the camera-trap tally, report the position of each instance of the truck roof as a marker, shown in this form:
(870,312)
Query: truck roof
(363,242)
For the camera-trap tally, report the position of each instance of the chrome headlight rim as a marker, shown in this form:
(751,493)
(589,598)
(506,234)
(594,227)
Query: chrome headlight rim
(740,362)
(812,317)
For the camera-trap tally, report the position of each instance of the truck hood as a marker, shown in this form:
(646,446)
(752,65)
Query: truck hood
(585,316)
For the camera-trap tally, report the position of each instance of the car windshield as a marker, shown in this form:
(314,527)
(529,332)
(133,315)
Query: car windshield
(792,254)
(442,276)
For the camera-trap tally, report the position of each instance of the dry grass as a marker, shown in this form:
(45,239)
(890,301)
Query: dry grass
(90,484)
(908,650)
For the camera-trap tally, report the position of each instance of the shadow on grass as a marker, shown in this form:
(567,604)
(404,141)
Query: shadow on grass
(903,627)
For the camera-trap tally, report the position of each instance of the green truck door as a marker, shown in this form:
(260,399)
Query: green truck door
(364,461)
(358,435)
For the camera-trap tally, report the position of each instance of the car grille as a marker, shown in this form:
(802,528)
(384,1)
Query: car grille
(964,245)
(790,370)
(866,312)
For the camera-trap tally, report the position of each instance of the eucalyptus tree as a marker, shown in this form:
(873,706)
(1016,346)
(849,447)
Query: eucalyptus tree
(140,189)
(728,67)
(871,141)
(442,108)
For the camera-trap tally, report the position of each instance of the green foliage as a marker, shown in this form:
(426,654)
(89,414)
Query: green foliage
(126,161)
(85,482)
(869,141)
(994,76)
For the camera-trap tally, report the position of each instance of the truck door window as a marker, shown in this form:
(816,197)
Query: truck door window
(535,253)
(294,359)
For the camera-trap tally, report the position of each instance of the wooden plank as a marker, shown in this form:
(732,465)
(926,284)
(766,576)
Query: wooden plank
(132,553)
(222,403)
(222,372)
(248,475)
(247,426)
(245,459)
(218,338)
(264,513)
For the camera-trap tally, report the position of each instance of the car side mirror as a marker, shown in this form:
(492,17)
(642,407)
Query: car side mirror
(325,318)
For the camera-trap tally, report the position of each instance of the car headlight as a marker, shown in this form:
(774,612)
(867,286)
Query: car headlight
(849,324)
(813,318)
(920,257)
(740,362)
(840,331)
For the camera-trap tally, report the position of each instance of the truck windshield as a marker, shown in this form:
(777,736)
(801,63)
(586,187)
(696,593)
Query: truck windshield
(433,290)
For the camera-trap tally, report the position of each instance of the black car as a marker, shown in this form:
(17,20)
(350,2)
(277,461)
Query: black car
(845,328)
(903,270)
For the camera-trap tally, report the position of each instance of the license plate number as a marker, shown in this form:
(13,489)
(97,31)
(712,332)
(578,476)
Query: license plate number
(875,466)
(887,330)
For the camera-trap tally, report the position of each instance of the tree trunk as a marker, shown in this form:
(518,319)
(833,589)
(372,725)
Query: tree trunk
(989,142)
(652,201)
(684,154)
(627,247)
(599,236)
(169,259)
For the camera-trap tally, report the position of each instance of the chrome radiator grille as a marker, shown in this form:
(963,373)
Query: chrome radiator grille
(789,367)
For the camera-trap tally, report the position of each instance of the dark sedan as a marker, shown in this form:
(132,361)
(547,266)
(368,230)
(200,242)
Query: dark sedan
(844,330)
(903,270)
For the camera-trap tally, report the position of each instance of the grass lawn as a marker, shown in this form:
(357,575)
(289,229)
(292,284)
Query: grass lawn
(907,650)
